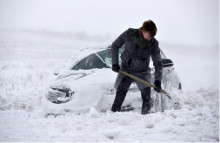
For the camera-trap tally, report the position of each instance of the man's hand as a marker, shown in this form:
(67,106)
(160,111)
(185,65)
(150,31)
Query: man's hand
(115,67)
(157,83)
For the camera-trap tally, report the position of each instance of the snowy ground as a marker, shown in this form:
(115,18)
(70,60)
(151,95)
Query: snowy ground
(27,59)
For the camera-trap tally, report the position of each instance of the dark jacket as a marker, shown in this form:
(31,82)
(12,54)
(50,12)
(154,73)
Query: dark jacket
(136,59)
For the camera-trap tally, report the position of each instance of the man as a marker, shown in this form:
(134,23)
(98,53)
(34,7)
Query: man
(139,44)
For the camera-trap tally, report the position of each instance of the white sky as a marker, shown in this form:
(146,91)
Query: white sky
(190,22)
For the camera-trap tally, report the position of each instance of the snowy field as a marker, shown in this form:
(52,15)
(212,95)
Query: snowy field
(28,58)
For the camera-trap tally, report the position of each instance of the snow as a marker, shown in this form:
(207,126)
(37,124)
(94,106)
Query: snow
(27,61)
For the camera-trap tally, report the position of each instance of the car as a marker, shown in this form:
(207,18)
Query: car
(88,81)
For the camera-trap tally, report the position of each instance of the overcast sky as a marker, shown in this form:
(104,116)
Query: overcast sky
(190,22)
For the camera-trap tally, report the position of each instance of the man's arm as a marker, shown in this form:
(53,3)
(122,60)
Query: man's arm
(118,43)
(157,62)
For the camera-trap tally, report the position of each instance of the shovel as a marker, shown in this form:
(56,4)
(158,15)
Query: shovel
(144,82)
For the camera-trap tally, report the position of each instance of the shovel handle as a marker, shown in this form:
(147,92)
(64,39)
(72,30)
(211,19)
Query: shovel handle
(144,82)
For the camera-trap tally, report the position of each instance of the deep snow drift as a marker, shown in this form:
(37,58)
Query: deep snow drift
(28,59)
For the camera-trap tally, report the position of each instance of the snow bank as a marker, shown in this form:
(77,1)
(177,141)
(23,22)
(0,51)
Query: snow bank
(197,120)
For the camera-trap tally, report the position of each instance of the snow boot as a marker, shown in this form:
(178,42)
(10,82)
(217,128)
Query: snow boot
(145,93)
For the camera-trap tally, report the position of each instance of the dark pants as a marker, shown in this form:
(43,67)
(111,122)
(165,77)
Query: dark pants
(122,90)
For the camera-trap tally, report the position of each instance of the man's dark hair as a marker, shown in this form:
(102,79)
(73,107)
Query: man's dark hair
(150,27)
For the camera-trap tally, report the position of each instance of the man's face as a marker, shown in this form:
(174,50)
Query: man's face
(146,35)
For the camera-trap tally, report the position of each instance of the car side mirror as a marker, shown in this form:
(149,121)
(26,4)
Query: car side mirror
(167,62)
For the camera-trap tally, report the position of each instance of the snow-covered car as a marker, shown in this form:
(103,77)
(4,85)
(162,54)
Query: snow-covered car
(88,81)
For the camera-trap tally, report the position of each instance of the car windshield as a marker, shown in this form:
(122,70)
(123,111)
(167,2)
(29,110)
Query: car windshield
(89,62)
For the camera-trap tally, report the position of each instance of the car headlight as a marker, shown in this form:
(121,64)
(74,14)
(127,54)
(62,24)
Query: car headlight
(57,95)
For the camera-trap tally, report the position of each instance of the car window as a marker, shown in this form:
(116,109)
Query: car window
(94,62)
(107,57)
(89,62)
